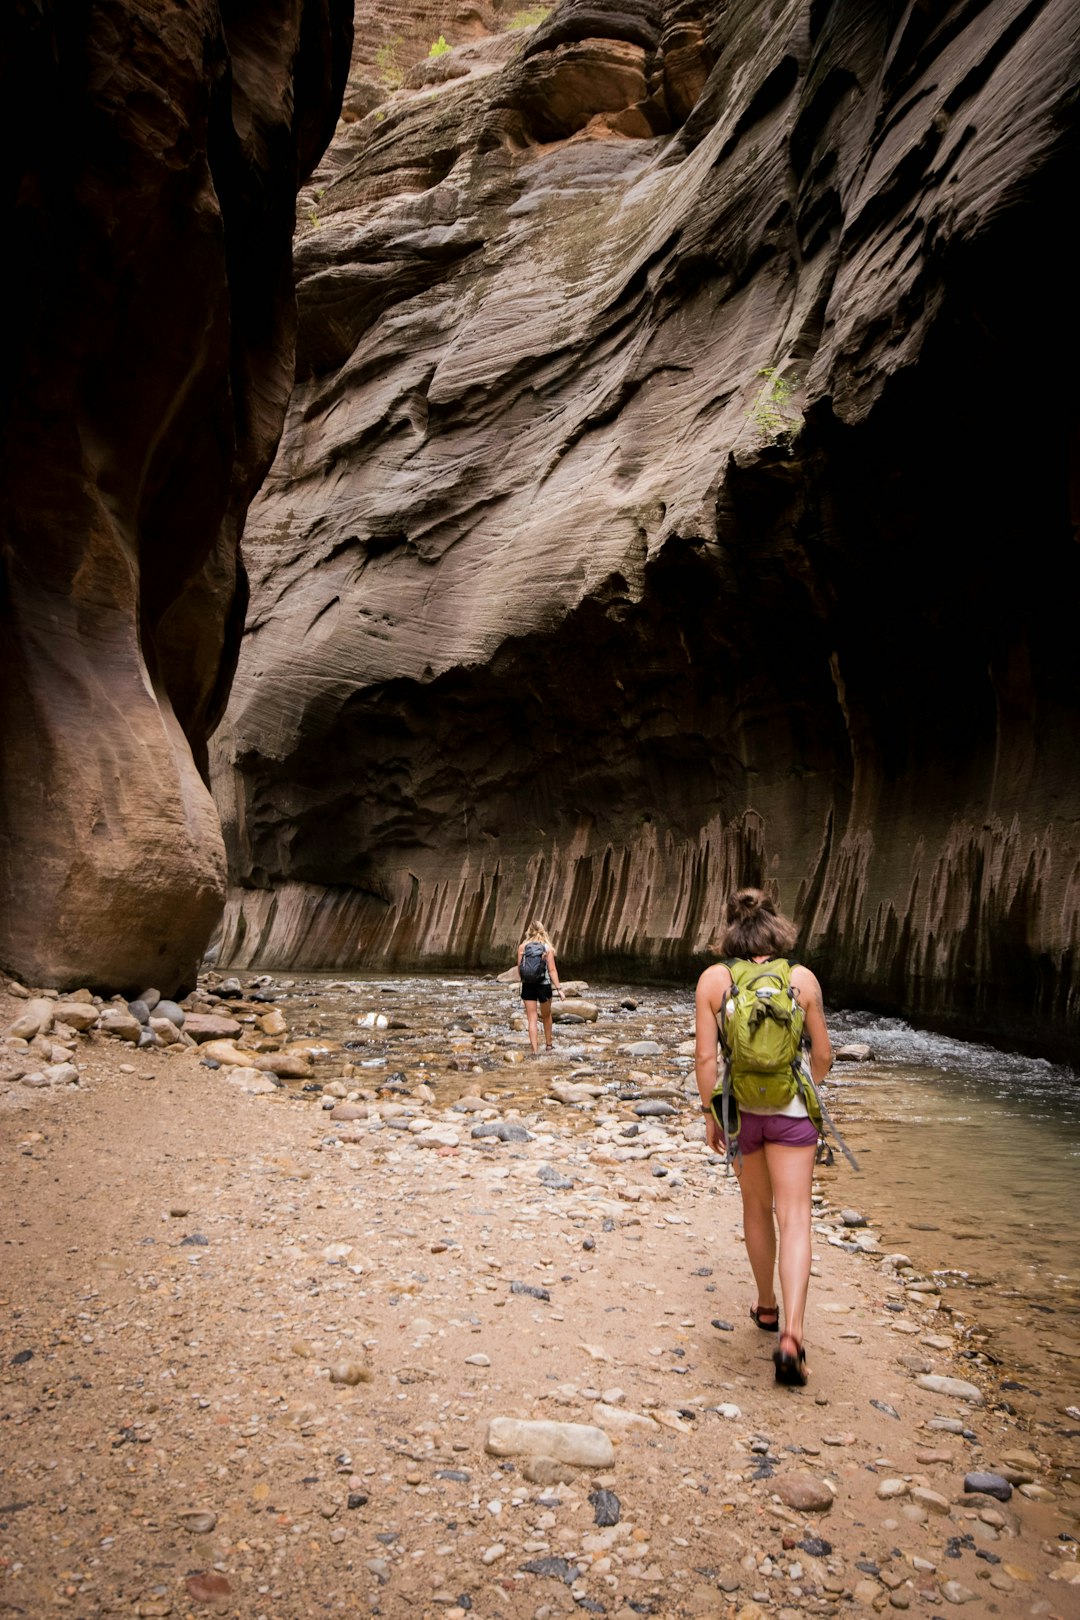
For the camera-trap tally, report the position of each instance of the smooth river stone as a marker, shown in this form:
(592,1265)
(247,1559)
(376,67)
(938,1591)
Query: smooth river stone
(210,1027)
(988,1485)
(76,1015)
(35,1018)
(804,1492)
(118,1021)
(578,1443)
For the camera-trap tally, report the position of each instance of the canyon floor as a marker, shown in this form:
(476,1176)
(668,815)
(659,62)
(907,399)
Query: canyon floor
(250,1353)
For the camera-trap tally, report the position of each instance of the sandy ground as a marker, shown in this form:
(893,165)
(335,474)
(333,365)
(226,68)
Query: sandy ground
(188,1268)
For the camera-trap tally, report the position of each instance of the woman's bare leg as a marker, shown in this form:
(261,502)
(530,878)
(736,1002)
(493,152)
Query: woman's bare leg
(530,1019)
(791,1173)
(759,1231)
(545,1014)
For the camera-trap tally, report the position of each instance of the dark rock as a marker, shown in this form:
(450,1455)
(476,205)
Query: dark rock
(195,1240)
(502,1131)
(20,1358)
(532,1291)
(607,1509)
(554,1178)
(725,1327)
(559,1569)
(815,1547)
(988,1485)
(357,1499)
(883,1406)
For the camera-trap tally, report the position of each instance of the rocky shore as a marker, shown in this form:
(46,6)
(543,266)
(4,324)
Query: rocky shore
(329,1299)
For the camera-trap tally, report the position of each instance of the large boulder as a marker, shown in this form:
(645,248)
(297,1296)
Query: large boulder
(675,495)
(149,164)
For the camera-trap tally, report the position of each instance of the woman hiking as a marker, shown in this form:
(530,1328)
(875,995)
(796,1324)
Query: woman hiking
(539,976)
(776,1145)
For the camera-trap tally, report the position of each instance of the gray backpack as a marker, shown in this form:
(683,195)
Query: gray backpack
(533,965)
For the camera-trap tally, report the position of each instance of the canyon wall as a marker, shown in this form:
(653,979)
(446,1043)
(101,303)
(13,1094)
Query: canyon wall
(676,493)
(150,162)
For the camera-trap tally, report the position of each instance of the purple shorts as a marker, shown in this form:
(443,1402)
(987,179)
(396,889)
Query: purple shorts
(757,1129)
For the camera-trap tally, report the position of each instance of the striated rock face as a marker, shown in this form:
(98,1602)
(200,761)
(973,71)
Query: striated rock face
(150,162)
(676,494)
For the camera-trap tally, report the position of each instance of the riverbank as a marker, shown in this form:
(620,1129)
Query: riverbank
(253,1352)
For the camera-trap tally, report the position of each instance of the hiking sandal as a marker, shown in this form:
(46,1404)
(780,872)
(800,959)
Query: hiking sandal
(757,1312)
(790,1369)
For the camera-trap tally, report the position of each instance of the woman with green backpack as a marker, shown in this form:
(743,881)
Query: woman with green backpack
(764,1012)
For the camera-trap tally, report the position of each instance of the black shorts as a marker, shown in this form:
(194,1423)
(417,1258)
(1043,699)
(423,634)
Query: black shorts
(539,990)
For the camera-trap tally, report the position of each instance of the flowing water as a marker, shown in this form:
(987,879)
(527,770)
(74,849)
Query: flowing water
(969,1157)
(971,1164)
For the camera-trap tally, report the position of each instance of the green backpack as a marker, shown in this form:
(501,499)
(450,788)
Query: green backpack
(760,1027)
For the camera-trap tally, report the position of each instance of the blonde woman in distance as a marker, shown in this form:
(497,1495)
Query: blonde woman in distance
(539,978)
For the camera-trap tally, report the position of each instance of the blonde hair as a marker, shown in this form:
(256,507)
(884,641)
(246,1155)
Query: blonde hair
(537,931)
(753,927)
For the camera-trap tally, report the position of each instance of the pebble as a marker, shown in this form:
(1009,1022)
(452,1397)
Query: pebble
(350,1373)
(199,1521)
(931,1501)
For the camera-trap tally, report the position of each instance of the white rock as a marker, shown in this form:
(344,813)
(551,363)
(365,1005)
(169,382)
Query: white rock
(957,1388)
(932,1501)
(478,1359)
(78,1015)
(165,1030)
(61,1074)
(578,1443)
(890,1489)
(624,1421)
(251,1081)
(119,1022)
(35,1019)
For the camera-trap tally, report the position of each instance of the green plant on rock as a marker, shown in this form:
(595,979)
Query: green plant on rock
(529,18)
(440,47)
(386,64)
(772,413)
